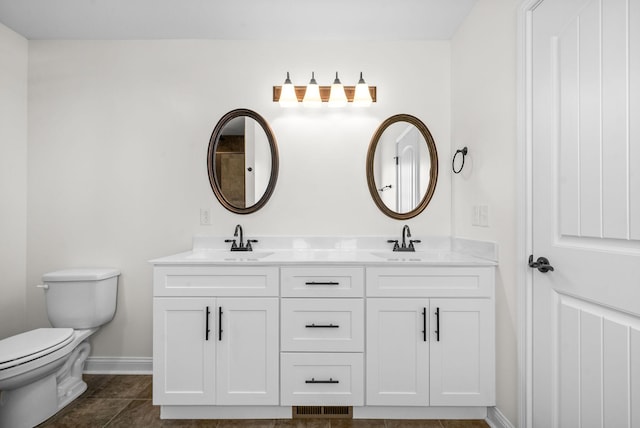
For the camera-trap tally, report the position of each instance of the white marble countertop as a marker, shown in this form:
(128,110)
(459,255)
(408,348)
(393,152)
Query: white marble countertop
(432,251)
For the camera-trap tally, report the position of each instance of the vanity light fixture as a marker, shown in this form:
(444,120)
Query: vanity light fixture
(362,97)
(288,97)
(313,95)
(337,96)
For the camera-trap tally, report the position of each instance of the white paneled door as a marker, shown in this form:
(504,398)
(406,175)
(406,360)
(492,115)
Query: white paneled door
(586,213)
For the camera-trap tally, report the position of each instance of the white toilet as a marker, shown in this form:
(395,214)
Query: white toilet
(41,370)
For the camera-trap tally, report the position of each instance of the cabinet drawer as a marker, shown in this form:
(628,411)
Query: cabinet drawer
(322,282)
(215,281)
(322,379)
(430,281)
(324,325)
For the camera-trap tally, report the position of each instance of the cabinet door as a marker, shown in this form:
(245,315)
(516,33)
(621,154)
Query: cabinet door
(462,352)
(183,352)
(248,349)
(397,352)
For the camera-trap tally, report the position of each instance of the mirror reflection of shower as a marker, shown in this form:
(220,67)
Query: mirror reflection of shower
(243,161)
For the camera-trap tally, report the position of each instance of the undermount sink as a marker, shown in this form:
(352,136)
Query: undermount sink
(230,256)
(409,256)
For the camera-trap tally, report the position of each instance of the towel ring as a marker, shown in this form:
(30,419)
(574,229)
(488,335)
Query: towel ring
(464,152)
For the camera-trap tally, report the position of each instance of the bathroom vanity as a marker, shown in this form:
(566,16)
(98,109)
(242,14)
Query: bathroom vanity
(325,322)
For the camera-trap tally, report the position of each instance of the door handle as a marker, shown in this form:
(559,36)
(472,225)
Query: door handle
(542,264)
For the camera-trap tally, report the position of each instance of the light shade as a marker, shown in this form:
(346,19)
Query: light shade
(288,96)
(362,96)
(312,94)
(337,96)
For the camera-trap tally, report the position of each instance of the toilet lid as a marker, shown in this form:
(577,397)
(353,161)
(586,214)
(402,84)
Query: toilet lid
(32,344)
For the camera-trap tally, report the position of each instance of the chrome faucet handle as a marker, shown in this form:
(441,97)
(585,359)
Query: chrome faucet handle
(395,244)
(249,241)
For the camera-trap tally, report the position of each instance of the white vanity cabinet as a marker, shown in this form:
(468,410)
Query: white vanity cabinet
(220,348)
(322,336)
(236,337)
(430,336)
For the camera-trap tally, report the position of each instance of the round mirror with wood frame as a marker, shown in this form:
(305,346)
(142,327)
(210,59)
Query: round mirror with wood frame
(242,161)
(402,166)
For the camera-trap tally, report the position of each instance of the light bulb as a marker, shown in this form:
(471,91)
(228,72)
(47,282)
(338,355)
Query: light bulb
(288,97)
(362,96)
(337,97)
(312,94)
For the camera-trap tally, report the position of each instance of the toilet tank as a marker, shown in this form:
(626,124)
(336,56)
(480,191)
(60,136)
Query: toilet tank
(81,298)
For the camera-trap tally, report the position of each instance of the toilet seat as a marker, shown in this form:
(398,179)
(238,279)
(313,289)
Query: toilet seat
(28,346)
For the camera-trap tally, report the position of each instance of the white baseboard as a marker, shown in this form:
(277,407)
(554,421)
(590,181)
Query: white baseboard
(496,419)
(118,365)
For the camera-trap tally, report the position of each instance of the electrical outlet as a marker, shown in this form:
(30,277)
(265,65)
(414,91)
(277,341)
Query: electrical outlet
(205,216)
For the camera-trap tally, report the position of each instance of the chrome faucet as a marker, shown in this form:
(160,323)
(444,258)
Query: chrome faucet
(406,233)
(241,246)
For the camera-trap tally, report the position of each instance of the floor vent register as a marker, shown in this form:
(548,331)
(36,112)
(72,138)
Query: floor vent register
(345,412)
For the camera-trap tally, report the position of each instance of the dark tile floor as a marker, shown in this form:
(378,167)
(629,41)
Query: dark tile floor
(125,401)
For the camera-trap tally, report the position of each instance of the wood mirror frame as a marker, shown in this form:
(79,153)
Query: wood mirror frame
(211,164)
(433,173)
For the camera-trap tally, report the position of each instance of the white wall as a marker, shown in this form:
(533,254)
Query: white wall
(483,53)
(118,135)
(13,180)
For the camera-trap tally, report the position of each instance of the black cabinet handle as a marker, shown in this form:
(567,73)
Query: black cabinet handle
(322,283)
(313,380)
(424,324)
(207,330)
(321,326)
(219,322)
(437,325)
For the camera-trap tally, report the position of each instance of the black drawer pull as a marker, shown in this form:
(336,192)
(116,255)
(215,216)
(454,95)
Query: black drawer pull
(322,283)
(321,326)
(313,380)
(424,324)
(207,329)
(219,322)
(437,324)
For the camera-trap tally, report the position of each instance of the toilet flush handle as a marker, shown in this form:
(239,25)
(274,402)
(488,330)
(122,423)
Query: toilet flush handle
(45,286)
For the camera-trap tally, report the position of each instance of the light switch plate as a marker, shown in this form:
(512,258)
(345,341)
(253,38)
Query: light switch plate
(205,216)
(480,216)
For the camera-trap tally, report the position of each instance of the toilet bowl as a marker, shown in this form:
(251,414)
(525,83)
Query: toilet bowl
(41,369)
